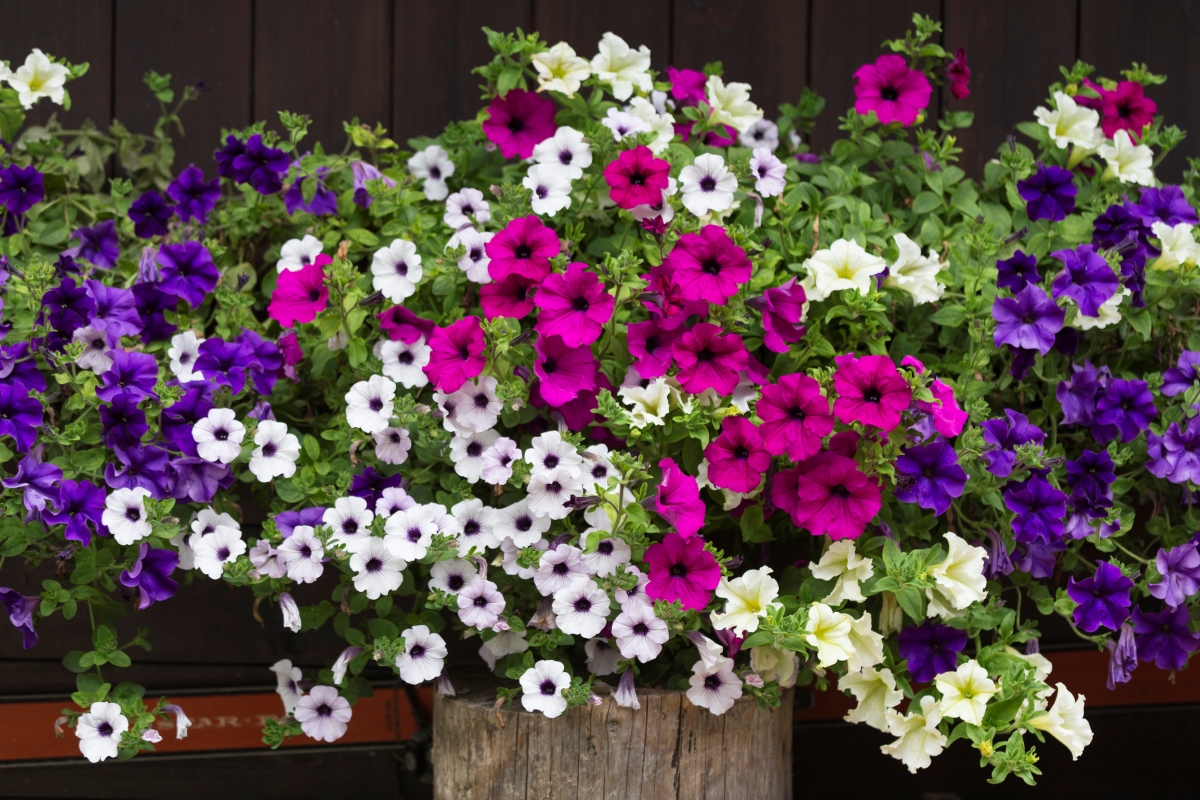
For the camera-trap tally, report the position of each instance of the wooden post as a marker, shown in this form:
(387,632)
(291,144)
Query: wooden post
(667,749)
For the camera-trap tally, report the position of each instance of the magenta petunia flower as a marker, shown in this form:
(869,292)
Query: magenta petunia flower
(301,294)
(637,178)
(708,359)
(678,500)
(834,497)
(457,354)
(565,371)
(795,417)
(948,418)
(573,305)
(403,325)
(507,298)
(687,85)
(681,569)
(650,343)
(1125,108)
(737,458)
(893,91)
(519,122)
(959,74)
(524,247)
(870,390)
(781,308)
(577,414)
(709,266)
(663,298)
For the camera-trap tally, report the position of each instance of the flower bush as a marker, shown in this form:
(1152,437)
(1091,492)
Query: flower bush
(624,385)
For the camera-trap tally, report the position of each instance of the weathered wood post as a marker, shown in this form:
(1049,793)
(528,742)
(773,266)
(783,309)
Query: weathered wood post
(667,749)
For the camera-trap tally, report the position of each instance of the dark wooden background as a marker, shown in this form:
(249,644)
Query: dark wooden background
(406,64)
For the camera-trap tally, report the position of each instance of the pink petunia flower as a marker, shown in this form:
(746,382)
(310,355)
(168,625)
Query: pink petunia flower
(524,247)
(300,295)
(457,354)
(664,299)
(893,91)
(579,413)
(564,371)
(795,417)
(737,458)
(650,343)
(834,497)
(637,178)
(870,390)
(681,569)
(948,418)
(708,359)
(1125,108)
(289,348)
(781,308)
(573,305)
(709,266)
(507,298)
(687,85)
(678,500)
(519,122)
(403,325)
(959,74)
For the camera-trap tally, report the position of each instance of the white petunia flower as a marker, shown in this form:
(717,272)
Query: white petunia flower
(423,656)
(290,612)
(409,533)
(829,632)
(38,77)
(649,405)
(1070,123)
(125,515)
(960,576)
(518,524)
(658,122)
(549,188)
(369,404)
(288,679)
(448,405)
(1109,311)
(558,569)
(392,445)
(915,273)
(609,554)
(466,207)
(841,562)
(480,604)
(748,598)
(866,645)
(542,688)
(559,69)
(596,469)
(183,352)
(622,67)
(639,633)
(715,688)
(214,549)
(432,164)
(475,530)
(1177,243)
(842,265)
(965,692)
(548,493)
(582,608)
(636,594)
(296,254)
(397,270)
(207,521)
(763,133)
(277,451)
(875,691)
(1127,162)
(511,552)
(219,436)
(769,172)
(775,664)
(707,185)
(602,657)
(452,576)
(661,209)
(301,554)
(919,739)
(476,406)
(502,644)
(99,730)
(391,500)
(187,556)
(97,353)
(265,560)
(1064,721)
(731,104)
(550,456)
(403,362)
(466,451)
(475,261)
(498,461)
(623,124)
(567,149)
(350,519)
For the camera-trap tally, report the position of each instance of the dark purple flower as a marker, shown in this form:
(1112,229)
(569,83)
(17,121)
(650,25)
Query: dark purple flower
(21,188)
(1028,321)
(1180,571)
(1078,395)
(151,215)
(131,373)
(225,363)
(1006,435)
(20,614)
(287,521)
(1039,509)
(1176,454)
(998,562)
(122,422)
(1049,193)
(1091,474)
(68,307)
(1022,361)
(364,172)
(145,466)
(1103,599)
(1036,558)
(1087,279)
(150,575)
(20,415)
(98,244)
(1119,224)
(262,167)
(1163,637)
(264,369)
(80,506)
(18,364)
(176,421)
(1179,378)
(40,481)
(369,485)
(1125,409)
(1067,341)
(188,271)
(194,197)
(226,157)
(324,200)
(930,649)
(198,480)
(116,309)
(1166,205)
(1016,272)
(930,476)
(152,305)
(1123,657)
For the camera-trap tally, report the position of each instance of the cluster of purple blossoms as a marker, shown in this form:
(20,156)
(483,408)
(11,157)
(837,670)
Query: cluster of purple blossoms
(1114,408)
(252,162)
(1090,479)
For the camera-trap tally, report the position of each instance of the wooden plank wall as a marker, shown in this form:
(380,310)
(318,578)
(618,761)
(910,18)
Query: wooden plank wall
(406,63)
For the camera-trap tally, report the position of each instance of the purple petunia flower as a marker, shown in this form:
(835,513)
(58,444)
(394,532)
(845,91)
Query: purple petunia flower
(116,309)
(930,476)
(364,172)
(1016,272)
(1029,321)
(1049,193)
(1103,599)
(1078,395)
(79,506)
(20,415)
(1125,409)
(1180,571)
(67,307)
(198,480)
(122,422)
(1039,508)
(1167,205)
(998,562)
(1092,474)
(20,614)
(287,521)
(226,156)
(369,485)
(1163,637)
(151,215)
(225,363)
(188,271)
(1179,378)
(176,421)
(149,575)
(324,200)
(194,197)
(267,361)
(260,166)
(1087,279)
(1123,657)
(930,649)
(98,244)
(141,466)
(1006,435)
(132,373)
(152,305)
(1037,558)
(40,481)
(18,364)
(1176,454)
(21,188)
(1119,224)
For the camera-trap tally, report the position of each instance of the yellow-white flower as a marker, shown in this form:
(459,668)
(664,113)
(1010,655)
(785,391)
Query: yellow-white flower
(875,691)
(1127,162)
(965,692)
(841,562)
(1064,721)
(731,104)
(842,265)
(915,273)
(622,67)
(1109,312)
(919,739)
(960,576)
(774,664)
(891,616)
(559,69)
(661,124)
(747,598)
(867,644)
(39,77)
(648,406)
(829,632)
(1178,245)
(1071,123)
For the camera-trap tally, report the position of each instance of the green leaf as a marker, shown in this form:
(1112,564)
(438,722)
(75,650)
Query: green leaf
(74,661)
(912,600)
(119,658)
(949,316)
(926,202)
(751,520)
(363,237)
(508,80)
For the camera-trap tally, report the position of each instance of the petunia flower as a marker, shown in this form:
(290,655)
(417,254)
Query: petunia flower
(40,481)
(737,458)
(132,373)
(709,266)
(1065,722)
(678,500)
(433,166)
(98,244)
(518,121)
(323,714)
(21,188)
(930,649)
(219,436)
(1087,279)
(1029,321)
(99,730)
(364,172)
(1049,193)
(914,273)
(966,692)
(542,686)
(1127,162)
(80,506)
(188,272)
(707,185)
(277,451)
(524,248)
(301,295)
(457,354)
(1070,123)
(682,569)
(1016,272)
(622,67)
(768,170)
(564,371)
(870,391)
(423,656)
(843,265)
(748,598)
(1103,598)
(574,306)
(369,404)
(709,359)
(637,178)
(151,215)
(715,687)
(833,497)
(930,476)
(1166,204)
(125,515)
(1125,108)
(1005,435)
(549,188)
(480,604)
(559,69)
(890,89)
(150,576)
(296,254)
(396,270)
(959,74)
(1164,637)
(875,691)
(1123,411)
(840,562)
(581,608)
(567,149)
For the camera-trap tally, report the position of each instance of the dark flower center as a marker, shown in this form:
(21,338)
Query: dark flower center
(550,461)
(464,353)
(414,534)
(641,629)
(708,183)
(605,548)
(480,601)
(324,710)
(710,266)
(561,568)
(376,404)
(712,682)
(889,93)
(306,551)
(678,571)
(221,435)
(554,487)
(599,472)
(839,491)
(583,604)
(374,565)
(550,367)
(405,358)
(522,251)
(105,729)
(471,528)
(350,527)
(741,453)
(475,449)
(416,651)
(637,179)
(796,413)
(704,355)
(314,295)
(523,524)
(482,400)
(455,582)
(516,125)
(548,688)
(652,345)
(401,268)
(435,173)
(269,450)
(133,514)
(580,304)
(565,156)
(872,395)
(222,553)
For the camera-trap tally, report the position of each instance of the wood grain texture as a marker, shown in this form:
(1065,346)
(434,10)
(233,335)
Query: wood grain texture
(1004,89)
(762,43)
(667,749)
(331,60)
(76,31)
(583,22)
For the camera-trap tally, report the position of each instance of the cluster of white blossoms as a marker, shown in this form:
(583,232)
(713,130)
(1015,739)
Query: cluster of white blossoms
(38,77)
(1071,124)
(219,436)
(557,162)
(845,264)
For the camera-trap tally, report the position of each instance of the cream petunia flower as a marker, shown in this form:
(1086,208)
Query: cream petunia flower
(622,67)
(1127,162)
(842,265)
(1065,722)
(748,597)
(919,739)
(875,691)
(731,104)
(559,69)
(1070,123)
(965,692)
(915,273)
(960,577)
(841,562)
(829,632)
